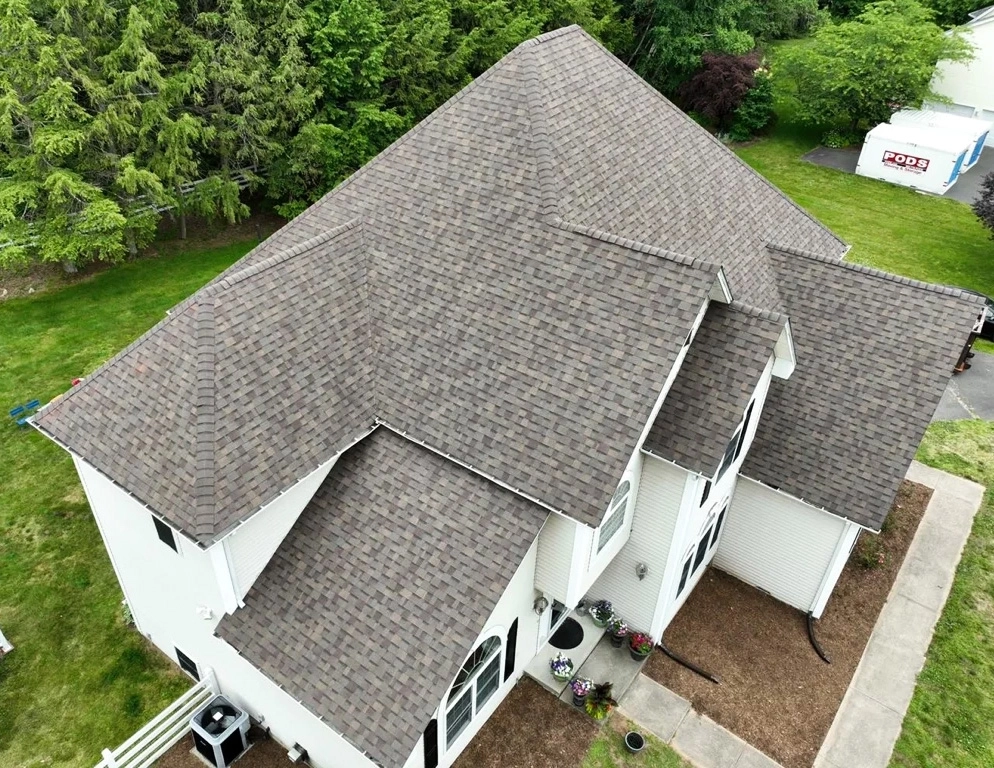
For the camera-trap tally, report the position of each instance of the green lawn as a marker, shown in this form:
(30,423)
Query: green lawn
(950,723)
(608,751)
(889,227)
(77,681)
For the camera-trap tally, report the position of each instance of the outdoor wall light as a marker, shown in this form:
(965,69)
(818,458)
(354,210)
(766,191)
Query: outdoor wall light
(641,569)
(540,604)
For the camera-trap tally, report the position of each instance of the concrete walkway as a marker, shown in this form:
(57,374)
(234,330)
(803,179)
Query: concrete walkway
(869,720)
(699,739)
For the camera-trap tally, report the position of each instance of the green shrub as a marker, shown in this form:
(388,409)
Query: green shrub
(755,113)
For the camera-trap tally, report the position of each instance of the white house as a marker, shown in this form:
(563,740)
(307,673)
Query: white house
(967,85)
(555,342)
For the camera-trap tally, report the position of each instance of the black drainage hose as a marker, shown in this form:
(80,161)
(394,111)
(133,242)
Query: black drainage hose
(814,640)
(688,664)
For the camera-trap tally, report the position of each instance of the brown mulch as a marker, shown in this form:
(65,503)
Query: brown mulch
(530,729)
(775,692)
(264,752)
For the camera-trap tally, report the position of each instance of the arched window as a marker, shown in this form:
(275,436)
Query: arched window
(476,682)
(615,516)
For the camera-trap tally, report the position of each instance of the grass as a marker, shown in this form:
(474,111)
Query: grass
(608,750)
(78,679)
(889,227)
(950,723)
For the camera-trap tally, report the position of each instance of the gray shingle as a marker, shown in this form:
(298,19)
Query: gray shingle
(445,301)
(712,389)
(374,599)
(874,353)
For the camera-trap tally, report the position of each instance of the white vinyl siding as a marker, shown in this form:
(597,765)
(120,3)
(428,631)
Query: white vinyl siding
(555,556)
(657,506)
(253,544)
(778,543)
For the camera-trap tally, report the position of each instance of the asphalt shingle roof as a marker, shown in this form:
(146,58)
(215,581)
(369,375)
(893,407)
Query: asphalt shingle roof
(712,390)
(372,602)
(462,312)
(874,353)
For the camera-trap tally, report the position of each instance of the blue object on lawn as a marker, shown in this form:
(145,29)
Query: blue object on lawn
(15,412)
(33,404)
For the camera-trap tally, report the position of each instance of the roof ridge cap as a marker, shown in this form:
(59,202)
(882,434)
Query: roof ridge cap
(278,258)
(541,141)
(551,35)
(636,245)
(204,481)
(754,311)
(873,272)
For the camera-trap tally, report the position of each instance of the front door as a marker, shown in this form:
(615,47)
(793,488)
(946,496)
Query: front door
(550,621)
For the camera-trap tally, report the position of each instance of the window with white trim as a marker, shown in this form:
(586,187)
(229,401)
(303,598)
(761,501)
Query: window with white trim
(615,516)
(476,682)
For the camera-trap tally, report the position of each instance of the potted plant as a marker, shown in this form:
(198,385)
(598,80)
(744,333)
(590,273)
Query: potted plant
(618,630)
(639,645)
(562,667)
(601,612)
(599,701)
(581,689)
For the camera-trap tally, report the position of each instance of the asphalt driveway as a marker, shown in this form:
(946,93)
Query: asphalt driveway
(969,395)
(966,189)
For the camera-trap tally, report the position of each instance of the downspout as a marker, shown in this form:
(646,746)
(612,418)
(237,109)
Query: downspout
(688,664)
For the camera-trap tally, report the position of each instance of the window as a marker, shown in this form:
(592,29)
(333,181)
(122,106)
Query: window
(476,682)
(166,535)
(717,527)
(702,549)
(745,428)
(683,577)
(731,451)
(187,664)
(707,492)
(615,515)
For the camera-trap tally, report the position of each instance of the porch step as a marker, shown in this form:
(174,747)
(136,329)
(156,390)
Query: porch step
(607,664)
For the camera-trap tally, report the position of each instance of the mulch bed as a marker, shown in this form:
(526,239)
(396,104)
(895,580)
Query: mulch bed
(530,729)
(775,692)
(263,753)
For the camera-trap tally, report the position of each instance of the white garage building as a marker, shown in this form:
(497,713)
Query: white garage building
(968,85)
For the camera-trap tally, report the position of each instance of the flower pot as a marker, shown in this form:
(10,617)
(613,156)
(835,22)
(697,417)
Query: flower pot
(563,678)
(636,656)
(618,640)
(579,701)
(634,742)
(600,623)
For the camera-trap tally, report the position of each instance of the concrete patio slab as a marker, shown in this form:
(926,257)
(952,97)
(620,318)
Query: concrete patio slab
(706,744)
(970,395)
(654,707)
(607,664)
(869,720)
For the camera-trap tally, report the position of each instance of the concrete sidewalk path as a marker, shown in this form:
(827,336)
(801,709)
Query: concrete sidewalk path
(702,741)
(869,720)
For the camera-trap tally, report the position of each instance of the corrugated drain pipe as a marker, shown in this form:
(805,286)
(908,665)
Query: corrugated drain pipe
(814,640)
(688,664)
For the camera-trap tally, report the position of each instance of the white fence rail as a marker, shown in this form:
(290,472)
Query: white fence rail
(163,731)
